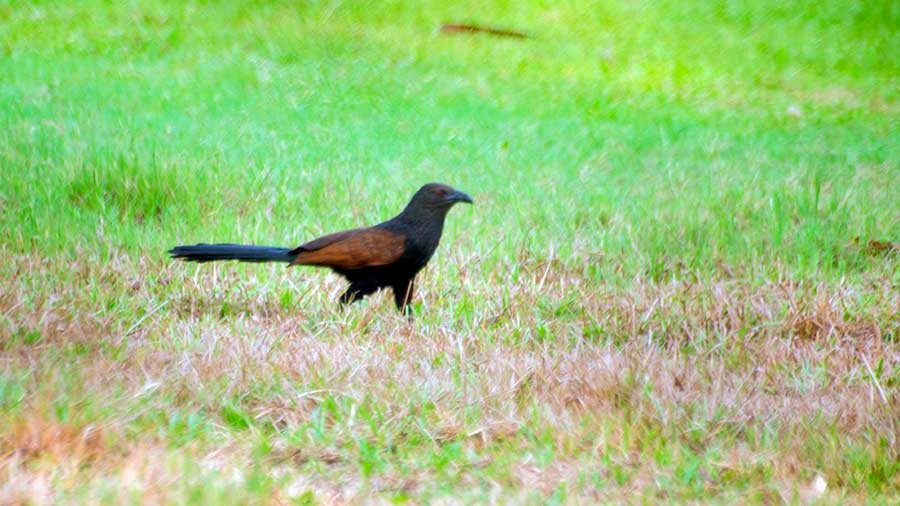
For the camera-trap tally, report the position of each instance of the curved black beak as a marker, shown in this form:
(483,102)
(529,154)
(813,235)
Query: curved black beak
(459,196)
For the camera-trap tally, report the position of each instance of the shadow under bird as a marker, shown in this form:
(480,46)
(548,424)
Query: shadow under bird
(389,254)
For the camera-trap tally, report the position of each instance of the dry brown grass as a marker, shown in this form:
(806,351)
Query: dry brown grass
(551,378)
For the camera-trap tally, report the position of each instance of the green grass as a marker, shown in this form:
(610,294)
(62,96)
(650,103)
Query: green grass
(663,290)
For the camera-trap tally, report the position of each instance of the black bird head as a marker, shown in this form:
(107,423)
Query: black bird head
(427,209)
(438,196)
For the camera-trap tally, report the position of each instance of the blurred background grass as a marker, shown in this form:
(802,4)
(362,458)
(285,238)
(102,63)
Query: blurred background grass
(756,134)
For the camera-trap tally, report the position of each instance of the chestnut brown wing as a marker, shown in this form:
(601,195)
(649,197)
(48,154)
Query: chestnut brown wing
(352,249)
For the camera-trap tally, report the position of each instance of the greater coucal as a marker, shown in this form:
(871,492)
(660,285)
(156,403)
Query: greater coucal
(389,254)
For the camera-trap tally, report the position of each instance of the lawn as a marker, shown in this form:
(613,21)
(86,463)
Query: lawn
(679,283)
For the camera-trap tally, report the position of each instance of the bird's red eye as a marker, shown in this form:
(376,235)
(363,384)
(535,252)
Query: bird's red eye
(441,192)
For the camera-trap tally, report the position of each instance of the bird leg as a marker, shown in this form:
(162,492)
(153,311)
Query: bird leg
(403,294)
(354,293)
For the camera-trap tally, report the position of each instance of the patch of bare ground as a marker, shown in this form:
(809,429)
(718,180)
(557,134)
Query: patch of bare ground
(553,379)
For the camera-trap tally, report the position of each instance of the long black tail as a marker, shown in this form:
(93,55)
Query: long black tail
(240,252)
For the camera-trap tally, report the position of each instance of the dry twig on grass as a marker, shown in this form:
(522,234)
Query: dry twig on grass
(459,29)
